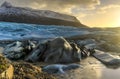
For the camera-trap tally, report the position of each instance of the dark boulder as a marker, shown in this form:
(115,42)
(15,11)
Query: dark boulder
(56,51)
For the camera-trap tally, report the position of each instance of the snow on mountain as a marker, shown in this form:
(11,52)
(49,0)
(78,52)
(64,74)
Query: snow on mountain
(10,13)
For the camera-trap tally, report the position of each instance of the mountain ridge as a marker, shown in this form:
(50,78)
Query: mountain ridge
(9,13)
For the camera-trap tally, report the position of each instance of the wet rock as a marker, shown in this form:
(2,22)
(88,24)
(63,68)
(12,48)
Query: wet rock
(18,49)
(85,52)
(61,51)
(57,50)
(65,52)
(37,53)
(59,68)
(107,58)
(87,46)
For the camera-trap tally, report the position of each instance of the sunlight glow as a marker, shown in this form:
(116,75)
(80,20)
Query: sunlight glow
(110,18)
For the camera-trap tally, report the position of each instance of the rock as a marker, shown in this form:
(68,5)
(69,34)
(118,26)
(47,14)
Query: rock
(44,17)
(18,49)
(57,50)
(14,50)
(6,69)
(107,58)
(59,68)
(87,47)
(36,54)
(61,51)
(4,63)
(92,46)
(24,70)
(29,76)
(8,73)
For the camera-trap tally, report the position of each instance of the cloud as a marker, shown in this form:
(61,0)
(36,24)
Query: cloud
(104,9)
(61,3)
(109,7)
(64,6)
(103,16)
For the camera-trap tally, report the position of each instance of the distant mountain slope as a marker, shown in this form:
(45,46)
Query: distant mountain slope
(10,13)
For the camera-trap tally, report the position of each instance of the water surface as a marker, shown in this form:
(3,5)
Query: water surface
(20,30)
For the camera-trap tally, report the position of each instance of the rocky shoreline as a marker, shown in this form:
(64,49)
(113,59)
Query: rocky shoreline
(52,52)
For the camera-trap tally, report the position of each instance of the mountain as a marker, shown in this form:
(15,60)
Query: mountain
(10,13)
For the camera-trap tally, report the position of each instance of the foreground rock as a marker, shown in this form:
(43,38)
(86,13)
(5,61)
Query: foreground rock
(6,69)
(56,51)
(10,13)
(107,58)
(25,70)
(18,49)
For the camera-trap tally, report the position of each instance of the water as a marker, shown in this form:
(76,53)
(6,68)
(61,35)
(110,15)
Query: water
(102,71)
(91,68)
(20,31)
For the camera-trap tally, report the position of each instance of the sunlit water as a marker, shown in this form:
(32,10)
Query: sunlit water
(104,72)
(19,30)
(94,69)
(91,68)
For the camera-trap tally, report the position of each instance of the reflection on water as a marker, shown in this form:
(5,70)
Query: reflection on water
(110,73)
(103,72)
(91,68)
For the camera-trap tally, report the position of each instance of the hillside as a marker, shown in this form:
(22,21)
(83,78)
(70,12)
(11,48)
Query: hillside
(9,13)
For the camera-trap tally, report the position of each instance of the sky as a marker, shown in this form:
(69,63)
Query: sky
(93,13)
